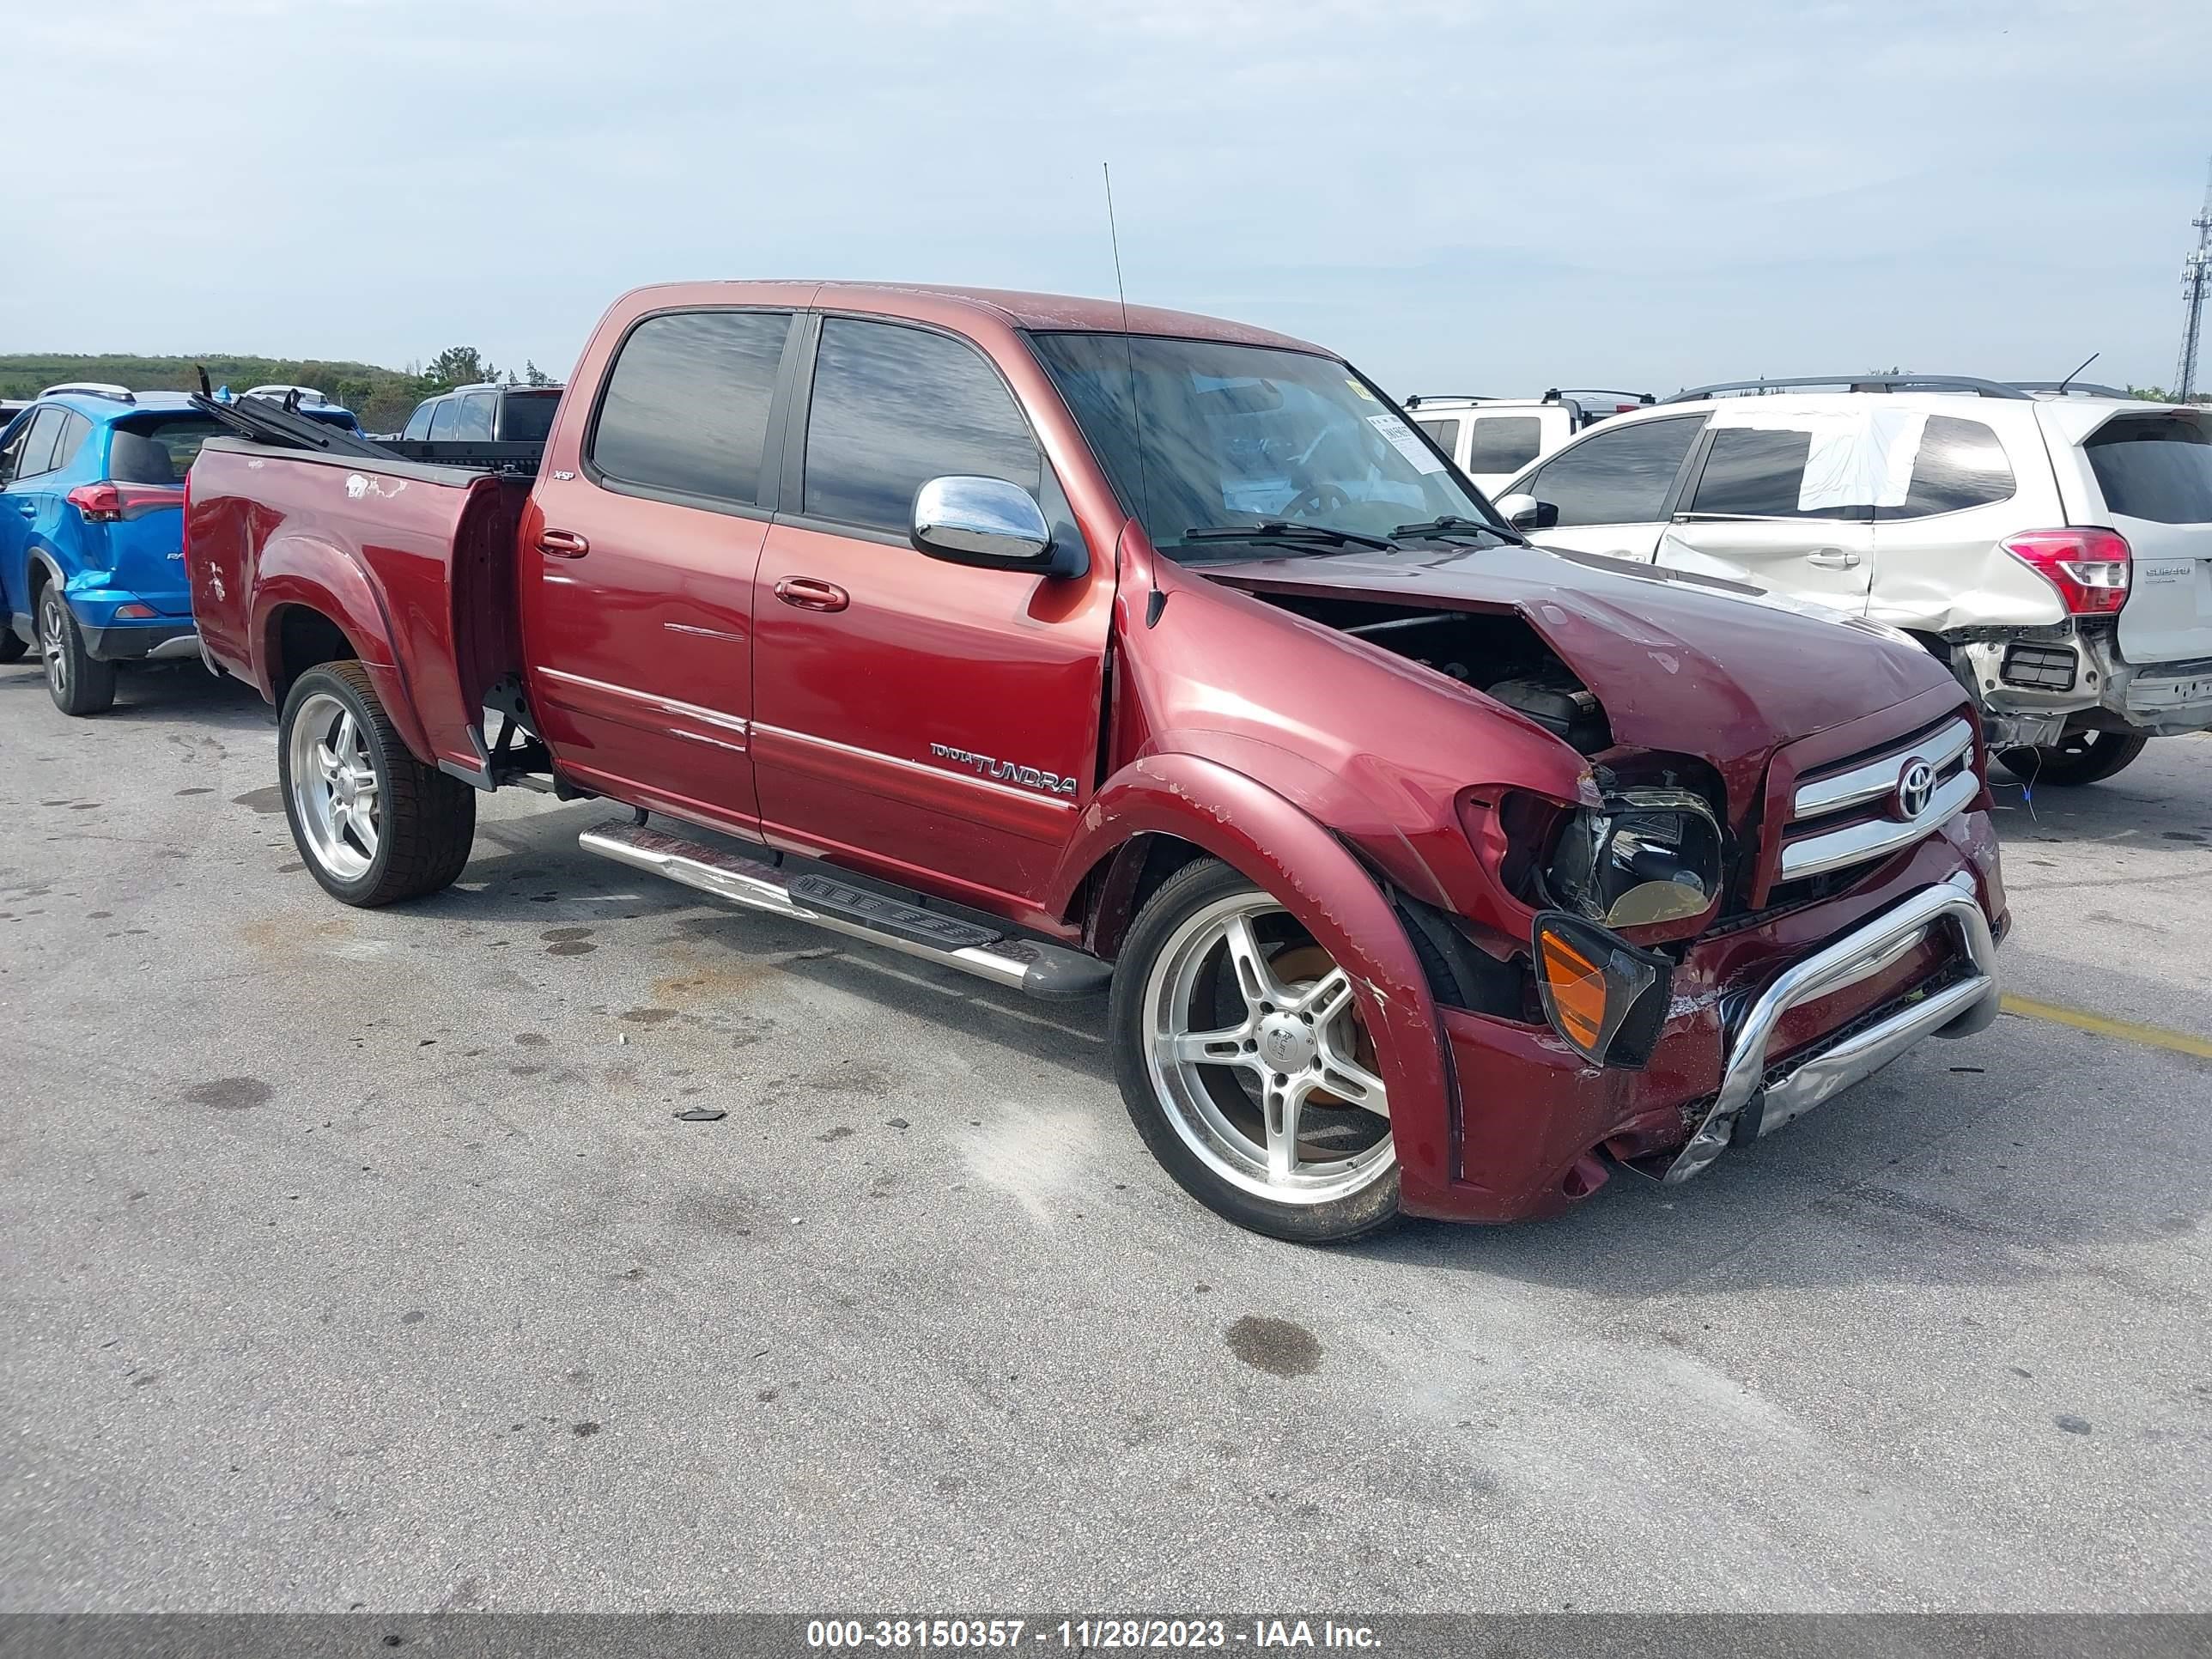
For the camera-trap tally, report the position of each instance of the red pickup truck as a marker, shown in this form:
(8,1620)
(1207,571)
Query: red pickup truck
(1431,872)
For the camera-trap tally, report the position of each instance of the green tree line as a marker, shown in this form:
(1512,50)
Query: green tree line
(382,397)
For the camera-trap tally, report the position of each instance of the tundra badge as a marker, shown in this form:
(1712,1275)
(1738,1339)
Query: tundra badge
(1003,771)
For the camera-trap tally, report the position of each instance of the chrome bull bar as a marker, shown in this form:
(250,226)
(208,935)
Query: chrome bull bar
(1749,1106)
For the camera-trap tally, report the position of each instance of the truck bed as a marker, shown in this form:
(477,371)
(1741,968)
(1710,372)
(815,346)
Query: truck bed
(412,562)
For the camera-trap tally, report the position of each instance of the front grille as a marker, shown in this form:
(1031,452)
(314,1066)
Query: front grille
(1860,809)
(2039,667)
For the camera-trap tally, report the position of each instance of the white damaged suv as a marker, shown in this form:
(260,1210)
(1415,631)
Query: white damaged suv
(2052,545)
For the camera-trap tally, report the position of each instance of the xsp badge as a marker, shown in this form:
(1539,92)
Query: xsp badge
(1003,771)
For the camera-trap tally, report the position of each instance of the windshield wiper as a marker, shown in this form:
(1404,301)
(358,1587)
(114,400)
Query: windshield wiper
(1282,530)
(1450,526)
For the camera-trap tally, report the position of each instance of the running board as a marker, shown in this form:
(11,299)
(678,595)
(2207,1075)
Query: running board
(1038,970)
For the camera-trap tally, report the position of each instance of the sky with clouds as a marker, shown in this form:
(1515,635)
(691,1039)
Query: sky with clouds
(1466,196)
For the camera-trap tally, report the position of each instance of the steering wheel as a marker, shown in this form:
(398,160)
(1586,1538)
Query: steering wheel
(1315,498)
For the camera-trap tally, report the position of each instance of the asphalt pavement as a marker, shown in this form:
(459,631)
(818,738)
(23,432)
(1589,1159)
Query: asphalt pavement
(357,1258)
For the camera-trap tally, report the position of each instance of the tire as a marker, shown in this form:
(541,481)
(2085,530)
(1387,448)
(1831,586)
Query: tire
(373,825)
(1236,1073)
(2078,758)
(78,682)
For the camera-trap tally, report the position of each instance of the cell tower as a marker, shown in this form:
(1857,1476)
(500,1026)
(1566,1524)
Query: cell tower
(2195,280)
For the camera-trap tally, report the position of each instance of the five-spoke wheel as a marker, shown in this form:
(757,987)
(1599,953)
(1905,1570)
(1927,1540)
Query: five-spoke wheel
(1253,1075)
(334,787)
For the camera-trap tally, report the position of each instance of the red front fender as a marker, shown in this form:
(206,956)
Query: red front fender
(1260,834)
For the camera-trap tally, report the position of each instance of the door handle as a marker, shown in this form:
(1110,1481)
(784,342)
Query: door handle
(562,545)
(1834,558)
(29,509)
(809,594)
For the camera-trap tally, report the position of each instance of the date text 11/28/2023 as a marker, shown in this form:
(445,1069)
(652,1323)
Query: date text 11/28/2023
(1088,1635)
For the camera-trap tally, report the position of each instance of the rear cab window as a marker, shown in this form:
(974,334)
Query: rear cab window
(894,407)
(2155,467)
(685,410)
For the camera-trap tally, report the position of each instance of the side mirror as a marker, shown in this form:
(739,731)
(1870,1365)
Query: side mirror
(1525,512)
(987,522)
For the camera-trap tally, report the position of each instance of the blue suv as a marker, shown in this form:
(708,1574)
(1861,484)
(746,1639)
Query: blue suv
(92,530)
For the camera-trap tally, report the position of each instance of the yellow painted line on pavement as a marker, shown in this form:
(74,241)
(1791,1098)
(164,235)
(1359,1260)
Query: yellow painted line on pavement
(2127,1031)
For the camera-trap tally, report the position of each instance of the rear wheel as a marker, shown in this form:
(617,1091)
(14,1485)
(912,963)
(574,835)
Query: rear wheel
(1245,1065)
(78,684)
(373,823)
(2078,757)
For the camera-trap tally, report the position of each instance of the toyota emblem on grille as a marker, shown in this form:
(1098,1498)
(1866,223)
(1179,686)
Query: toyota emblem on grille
(1915,787)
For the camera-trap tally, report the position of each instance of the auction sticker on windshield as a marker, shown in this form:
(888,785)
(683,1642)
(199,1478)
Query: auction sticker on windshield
(1403,440)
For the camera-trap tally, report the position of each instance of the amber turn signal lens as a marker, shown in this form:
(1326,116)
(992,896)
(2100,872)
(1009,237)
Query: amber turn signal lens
(1577,990)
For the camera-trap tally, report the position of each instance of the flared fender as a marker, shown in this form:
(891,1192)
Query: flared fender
(300,570)
(1260,834)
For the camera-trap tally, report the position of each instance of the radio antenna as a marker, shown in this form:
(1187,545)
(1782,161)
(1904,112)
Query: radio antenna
(2086,362)
(1156,600)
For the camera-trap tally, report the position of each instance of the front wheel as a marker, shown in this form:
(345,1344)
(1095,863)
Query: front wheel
(2079,757)
(1245,1065)
(77,681)
(373,823)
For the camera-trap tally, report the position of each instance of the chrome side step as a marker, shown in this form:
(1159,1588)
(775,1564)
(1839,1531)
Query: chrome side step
(1036,968)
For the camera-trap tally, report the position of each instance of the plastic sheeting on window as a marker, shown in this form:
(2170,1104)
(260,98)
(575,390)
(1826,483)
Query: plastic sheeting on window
(1857,457)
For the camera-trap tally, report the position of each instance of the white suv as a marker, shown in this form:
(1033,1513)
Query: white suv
(1491,439)
(2054,548)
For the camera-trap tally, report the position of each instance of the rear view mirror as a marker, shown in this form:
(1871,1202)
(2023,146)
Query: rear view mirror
(1525,512)
(983,521)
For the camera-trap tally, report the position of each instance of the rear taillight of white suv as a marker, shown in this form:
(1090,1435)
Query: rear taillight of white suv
(2089,568)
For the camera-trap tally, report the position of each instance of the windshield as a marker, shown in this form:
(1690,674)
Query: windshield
(1245,436)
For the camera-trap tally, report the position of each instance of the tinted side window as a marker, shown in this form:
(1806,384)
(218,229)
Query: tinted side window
(443,417)
(526,417)
(74,430)
(1504,443)
(473,423)
(418,424)
(1446,434)
(1961,464)
(38,455)
(12,452)
(1622,476)
(2156,467)
(1755,474)
(687,404)
(896,407)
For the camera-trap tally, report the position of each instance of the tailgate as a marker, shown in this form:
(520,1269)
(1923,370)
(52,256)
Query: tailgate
(2152,473)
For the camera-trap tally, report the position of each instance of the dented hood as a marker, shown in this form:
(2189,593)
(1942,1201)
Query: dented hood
(1693,663)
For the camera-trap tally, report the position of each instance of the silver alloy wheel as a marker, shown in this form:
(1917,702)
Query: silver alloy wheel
(335,795)
(1244,1096)
(53,641)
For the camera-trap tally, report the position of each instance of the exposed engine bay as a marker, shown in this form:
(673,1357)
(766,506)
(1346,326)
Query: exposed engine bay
(1654,854)
(1497,654)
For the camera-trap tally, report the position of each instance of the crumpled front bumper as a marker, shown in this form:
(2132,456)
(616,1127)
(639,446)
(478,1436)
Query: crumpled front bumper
(1754,1101)
(1766,1023)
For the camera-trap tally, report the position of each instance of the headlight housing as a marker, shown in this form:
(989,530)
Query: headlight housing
(1647,856)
